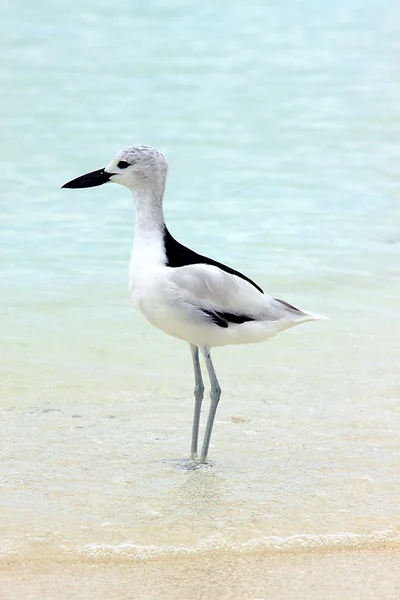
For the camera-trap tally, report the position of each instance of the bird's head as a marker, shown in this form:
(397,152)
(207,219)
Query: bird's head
(136,167)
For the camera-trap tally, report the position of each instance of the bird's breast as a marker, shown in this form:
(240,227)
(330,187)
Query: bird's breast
(149,293)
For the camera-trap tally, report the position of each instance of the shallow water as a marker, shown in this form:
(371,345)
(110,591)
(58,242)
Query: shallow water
(280,124)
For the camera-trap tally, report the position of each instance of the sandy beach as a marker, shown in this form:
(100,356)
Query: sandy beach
(333,575)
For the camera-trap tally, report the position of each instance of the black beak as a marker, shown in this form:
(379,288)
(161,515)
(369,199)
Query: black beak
(89,180)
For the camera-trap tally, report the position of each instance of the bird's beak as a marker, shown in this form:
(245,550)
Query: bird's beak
(89,180)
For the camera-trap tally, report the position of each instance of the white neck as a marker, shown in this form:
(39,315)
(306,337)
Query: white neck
(148,246)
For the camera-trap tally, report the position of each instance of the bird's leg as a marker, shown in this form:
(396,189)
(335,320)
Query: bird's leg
(198,399)
(215,394)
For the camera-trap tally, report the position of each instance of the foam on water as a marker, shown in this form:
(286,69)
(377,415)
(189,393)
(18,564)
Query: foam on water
(216,543)
(294,543)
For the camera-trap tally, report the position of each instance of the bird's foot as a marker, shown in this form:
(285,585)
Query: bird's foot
(189,464)
(194,463)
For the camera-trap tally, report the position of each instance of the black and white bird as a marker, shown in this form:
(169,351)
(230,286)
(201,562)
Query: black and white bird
(187,295)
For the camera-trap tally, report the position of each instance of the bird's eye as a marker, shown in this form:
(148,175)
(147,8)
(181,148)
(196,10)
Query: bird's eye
(123,164)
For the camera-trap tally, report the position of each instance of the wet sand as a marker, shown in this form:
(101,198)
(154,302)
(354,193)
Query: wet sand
(333,575)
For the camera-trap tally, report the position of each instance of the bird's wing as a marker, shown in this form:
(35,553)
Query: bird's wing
(211,289)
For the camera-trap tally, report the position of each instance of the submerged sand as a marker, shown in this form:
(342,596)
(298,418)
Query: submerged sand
(333,575)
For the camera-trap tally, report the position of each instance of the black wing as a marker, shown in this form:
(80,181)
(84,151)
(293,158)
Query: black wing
(179,255)
(224,319)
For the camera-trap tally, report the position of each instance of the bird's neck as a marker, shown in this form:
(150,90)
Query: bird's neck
(148,245)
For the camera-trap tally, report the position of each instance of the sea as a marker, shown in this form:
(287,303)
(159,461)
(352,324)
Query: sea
(281,125)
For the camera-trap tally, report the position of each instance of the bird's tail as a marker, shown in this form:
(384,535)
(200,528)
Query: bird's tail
(299,315)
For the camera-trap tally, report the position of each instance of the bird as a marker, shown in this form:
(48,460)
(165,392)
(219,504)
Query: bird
(185,294)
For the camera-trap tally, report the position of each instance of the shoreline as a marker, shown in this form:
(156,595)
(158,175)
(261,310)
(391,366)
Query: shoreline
(316,575)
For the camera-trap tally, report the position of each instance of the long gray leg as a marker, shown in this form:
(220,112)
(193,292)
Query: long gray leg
(198,399)
(215,394)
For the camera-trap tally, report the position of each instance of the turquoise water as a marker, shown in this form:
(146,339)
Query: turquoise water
(281,127)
